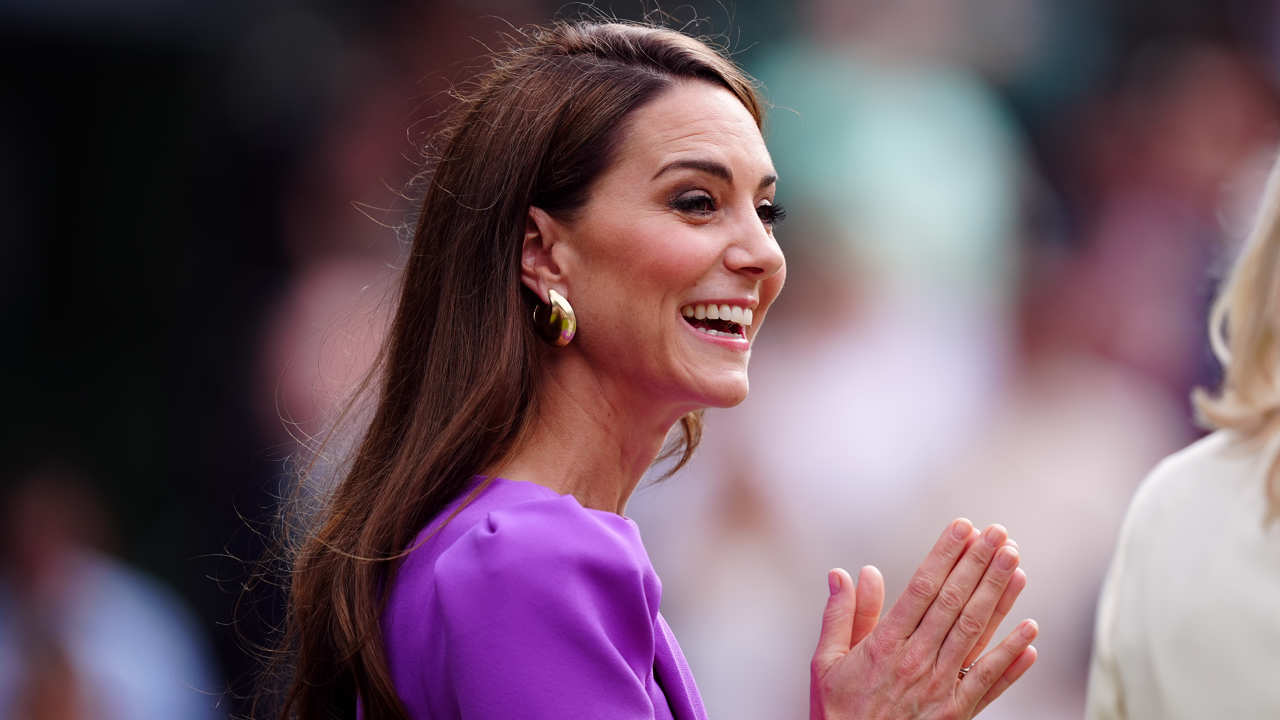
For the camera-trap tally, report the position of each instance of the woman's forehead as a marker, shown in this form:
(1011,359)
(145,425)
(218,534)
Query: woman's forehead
(695,120)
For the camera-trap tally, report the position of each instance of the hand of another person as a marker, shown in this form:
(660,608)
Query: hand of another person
(909,665)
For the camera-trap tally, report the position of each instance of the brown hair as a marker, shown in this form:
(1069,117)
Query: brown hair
(456,376)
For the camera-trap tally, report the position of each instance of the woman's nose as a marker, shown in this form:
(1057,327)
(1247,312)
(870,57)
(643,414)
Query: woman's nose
(755,251)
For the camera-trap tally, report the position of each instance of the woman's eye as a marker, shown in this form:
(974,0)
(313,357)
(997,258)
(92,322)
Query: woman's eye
(695,203)
(771,214)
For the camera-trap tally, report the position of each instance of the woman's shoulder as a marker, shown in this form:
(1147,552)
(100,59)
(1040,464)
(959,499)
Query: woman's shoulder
(1205,466)
(519,582)
(544,530)
(1218,476)
(517,535)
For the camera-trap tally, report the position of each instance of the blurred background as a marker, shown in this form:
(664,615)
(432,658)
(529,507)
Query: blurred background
(1007,221)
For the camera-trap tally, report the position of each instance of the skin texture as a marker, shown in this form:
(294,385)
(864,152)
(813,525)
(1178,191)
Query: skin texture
(680,217)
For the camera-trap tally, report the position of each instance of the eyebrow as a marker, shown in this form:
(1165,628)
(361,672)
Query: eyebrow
(711,167)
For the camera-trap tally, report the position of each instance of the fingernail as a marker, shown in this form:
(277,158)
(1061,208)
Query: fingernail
(1029,629)
(1006,558)
(960,529)
(995,536)
(834,581)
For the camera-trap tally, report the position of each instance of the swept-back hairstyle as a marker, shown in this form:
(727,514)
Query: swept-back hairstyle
(456,377)
(1244,330)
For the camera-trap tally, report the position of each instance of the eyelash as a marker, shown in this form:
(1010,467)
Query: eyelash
(701,204)
(772,214)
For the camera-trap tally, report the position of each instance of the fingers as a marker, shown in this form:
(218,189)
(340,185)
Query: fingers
(1011,592)
(971,573)
(1010,676)
(924,585)
(978,611)
(997,670)
(870,601)
(837,620)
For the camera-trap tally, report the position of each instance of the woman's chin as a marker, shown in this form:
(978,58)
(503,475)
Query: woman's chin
(726,394)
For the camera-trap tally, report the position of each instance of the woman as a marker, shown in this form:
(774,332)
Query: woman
(605,186)
(1187,625)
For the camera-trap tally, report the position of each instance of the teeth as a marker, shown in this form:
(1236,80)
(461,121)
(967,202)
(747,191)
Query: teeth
(718,333)
(731,313)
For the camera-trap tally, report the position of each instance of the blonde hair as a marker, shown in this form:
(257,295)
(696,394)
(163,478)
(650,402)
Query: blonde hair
(1244,330)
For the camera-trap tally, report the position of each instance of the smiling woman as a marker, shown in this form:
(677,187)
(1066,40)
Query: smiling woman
(605,187)
(682,217)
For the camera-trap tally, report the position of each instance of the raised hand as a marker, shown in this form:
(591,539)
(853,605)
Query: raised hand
(909,665)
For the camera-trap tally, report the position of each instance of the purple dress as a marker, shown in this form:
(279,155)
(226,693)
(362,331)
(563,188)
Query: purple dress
(527,605)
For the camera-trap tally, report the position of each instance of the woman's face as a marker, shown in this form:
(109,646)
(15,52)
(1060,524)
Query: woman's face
(672,265)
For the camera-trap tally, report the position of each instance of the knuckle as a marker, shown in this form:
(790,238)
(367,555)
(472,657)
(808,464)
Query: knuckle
(987,675)
(922,587)
(881,646)
(969,627)
(951,599)
(831,614)
(905,670)
(995,581)
(978,556)
(909,667)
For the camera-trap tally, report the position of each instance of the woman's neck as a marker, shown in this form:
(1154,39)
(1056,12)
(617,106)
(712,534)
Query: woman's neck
(587,438)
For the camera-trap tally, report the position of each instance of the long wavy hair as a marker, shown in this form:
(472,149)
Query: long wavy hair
(1244,330)
(455,381)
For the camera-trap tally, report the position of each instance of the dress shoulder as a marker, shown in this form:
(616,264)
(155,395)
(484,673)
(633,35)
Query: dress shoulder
(546,605)
(1182,480)
(543,540)
(1188,547)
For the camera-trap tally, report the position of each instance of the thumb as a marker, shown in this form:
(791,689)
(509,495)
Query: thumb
(837,620)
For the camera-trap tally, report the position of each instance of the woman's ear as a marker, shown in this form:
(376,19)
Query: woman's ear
(538,269)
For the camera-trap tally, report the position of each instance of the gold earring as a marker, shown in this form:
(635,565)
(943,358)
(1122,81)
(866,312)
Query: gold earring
(554,320)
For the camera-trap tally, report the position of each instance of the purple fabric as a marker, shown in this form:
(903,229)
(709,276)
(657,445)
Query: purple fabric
(527,605)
